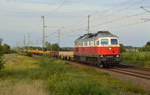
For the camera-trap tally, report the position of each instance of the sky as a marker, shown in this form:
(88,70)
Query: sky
(21,19)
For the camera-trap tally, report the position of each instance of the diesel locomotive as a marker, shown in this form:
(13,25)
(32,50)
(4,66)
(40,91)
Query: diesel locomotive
(101,49)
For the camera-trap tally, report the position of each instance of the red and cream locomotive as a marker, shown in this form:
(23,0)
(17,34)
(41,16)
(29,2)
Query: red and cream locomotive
(101,48)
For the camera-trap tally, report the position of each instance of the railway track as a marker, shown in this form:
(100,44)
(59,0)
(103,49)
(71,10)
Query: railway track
(135,71)
(137,74)
(125,70)
(143,69)
(130,71)
(134,67)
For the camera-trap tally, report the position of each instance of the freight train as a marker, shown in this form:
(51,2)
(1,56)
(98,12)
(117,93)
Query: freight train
(100,49)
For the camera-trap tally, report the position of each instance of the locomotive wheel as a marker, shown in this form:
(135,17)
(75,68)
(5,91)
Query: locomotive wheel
(105,65)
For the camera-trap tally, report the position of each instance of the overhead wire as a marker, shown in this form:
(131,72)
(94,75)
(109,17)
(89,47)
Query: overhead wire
(111,21)
(125,26)
(119,19)
(57,8)
(117,26)
(145,9)
(132,24)
(102,11)
(120,10)
(85,26)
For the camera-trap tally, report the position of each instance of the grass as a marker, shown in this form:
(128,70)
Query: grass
(14,78)
(23,87)
(47,76)
(141,59)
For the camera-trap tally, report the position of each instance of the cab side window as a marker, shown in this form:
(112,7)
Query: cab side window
(104,41)
(97,43)
(114,41)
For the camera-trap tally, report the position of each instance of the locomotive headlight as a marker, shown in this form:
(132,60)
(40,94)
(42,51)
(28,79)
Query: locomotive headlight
(117,55)
(101,56)
(109,48)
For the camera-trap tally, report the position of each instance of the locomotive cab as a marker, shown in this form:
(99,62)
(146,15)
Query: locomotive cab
(109,51)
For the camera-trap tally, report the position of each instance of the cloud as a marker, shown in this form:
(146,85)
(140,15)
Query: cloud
(19,17)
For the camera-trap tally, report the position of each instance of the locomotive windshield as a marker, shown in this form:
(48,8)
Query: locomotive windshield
(114,41)
(104,42)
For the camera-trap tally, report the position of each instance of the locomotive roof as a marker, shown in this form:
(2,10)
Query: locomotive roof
(93,36)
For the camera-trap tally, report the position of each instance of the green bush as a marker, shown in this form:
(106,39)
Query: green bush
(136,58)
(1,63)
(65,80)
(28,54)
(60,84)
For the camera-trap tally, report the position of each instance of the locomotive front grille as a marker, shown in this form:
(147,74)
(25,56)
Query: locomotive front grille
(110,58)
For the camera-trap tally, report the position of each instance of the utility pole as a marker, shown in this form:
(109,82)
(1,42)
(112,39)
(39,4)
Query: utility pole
(89,24)
(43,41)
(59,36)
(28,40)
(24,40)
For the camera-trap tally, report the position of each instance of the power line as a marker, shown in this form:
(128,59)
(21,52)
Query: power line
(57,8)
(146,19)
(145,9)
(118,11)
(103,11)
(132,24)
(51,34)
(123,26)
(78,24)
(125,17)
(125,8)
(109,21)
(118,19)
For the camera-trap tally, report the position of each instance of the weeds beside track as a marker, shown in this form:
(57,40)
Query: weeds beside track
(57,77)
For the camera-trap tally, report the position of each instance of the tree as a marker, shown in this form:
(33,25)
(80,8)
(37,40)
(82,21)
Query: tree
(148,43)
(146,47)
(3,50)
(48,46)
(6,48)
(55,47)
(122,48)
(1,54)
